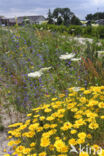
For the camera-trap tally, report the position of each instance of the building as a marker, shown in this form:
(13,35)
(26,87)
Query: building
(30,19)
(100,22)
(85,22)
(4,21)
(22,20)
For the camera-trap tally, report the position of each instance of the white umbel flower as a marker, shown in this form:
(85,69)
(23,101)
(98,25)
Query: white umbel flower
(38,73)
(35,74)
(100,54)
(76,59)
(66,56)
(45,69)
(76,89)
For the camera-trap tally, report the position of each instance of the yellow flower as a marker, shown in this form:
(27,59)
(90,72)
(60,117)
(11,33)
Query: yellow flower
(9,137)
(17,141)
(87,92)
(51,147)
(26,150)
(73,131)
(42,154)
(29,114)
(4,150)
(62,155)
(80,141)
(54,99)
(92,103)
(29,134)
(102,117)
(53,125)
(20,149)
(11,143)
(74,109)
(57,138)
(72,141)
(32,144)
(61,95)
(101,153)
(33,127)
(42,118)
(45,142)
(77,116)
(47,110)
(82,135)
(79,123)
(101,105)
(95,147)
(93,125)
(89,136)
(66,126)
(83,154)
(60,146)
(34,154)
(15,125)
(50,118)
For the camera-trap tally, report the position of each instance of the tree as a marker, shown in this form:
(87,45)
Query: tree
(75,20)
(59,20)
(67,15)
(96,16)
(50,19)
(62,15)
(89,17)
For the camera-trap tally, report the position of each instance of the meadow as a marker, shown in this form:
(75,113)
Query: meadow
(56,80)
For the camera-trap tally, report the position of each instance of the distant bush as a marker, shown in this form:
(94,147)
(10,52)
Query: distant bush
(78,30)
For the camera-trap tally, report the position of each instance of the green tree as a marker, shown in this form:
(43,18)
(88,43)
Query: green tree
(67,15)
(59,20)
(75,20)
(96,16)
(62,15)
(89,17)
(50,17)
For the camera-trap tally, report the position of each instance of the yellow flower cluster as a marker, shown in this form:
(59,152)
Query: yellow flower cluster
(52,128)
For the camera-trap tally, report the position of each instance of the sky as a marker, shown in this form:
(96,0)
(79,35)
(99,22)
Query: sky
(12,8)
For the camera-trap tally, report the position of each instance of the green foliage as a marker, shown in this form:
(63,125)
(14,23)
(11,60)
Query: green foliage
(50,17)
(75,20)
(28,49)
(96,16)
(62,15)
(88,31)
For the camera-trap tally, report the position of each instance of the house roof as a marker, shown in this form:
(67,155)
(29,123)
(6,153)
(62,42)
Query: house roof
(12,20)
(32,18)
(101,21)
(21,19)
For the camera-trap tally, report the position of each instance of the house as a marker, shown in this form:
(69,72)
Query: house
(85,22)
(4,21)
(21,20)
(1,20)
(30,19)
(100,22)
(12,21)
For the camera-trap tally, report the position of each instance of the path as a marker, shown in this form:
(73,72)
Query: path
(8,116)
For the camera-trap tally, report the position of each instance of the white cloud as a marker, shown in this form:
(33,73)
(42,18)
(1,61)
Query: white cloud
(98,2)
(40,7)
(19,12)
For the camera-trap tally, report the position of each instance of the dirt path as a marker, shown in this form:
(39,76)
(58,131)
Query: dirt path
(8,116)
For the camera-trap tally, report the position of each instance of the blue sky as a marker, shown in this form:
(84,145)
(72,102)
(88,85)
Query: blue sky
(11,8)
